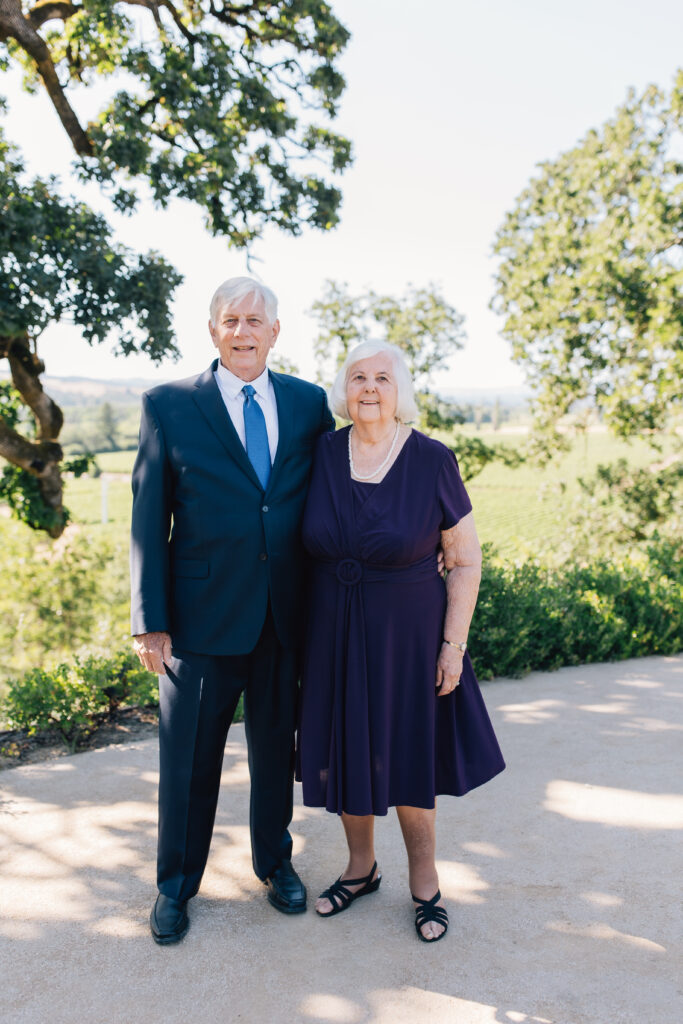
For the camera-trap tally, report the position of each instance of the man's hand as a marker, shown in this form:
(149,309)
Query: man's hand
(153,649)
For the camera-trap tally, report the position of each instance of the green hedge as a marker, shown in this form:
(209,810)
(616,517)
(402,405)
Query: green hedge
(527,617)
(72,699)
(531,617)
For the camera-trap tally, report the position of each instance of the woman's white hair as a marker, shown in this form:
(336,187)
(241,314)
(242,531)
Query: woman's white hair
(236,288)
(406,407)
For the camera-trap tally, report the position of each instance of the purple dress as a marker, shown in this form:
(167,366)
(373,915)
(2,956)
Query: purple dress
(373,733)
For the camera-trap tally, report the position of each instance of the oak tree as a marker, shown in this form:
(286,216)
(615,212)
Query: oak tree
(590,279)
(428,330)
(224,104)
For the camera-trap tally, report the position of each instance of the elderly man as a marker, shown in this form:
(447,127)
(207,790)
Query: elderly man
(217,573)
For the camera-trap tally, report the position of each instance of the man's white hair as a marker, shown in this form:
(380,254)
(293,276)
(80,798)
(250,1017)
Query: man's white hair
(236,288)
(406,407)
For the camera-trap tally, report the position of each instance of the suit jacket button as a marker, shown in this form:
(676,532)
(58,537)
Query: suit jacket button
(263,556)
(264,508)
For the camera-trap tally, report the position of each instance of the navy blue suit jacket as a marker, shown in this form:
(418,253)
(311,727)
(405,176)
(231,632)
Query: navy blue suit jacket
(208,546)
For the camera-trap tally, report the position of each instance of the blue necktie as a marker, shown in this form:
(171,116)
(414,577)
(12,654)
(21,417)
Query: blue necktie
(258,448)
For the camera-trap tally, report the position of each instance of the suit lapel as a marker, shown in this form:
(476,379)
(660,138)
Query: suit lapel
(285,414)
(210,403)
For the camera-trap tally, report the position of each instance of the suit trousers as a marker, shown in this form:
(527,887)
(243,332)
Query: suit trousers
(197,700)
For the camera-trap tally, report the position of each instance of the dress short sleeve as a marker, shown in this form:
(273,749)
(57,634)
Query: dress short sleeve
(451,495)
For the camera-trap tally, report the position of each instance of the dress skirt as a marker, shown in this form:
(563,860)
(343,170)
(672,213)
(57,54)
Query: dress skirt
(373,732)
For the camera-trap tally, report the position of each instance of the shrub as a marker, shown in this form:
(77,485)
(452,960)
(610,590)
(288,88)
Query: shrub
(528,616)
(532,617)
(71,698)
(66,596)
(53,700)
(121,680)
(618,510)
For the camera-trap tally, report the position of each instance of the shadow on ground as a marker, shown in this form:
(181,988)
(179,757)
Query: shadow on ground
(561,876)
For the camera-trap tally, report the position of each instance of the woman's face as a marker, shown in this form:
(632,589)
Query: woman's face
(371,390)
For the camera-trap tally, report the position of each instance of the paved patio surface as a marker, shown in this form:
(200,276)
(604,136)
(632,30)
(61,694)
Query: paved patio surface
(562,877)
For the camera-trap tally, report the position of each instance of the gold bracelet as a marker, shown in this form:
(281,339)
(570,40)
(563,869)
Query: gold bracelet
(461,647)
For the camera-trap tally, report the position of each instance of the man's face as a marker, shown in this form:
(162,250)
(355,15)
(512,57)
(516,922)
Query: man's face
(244,336)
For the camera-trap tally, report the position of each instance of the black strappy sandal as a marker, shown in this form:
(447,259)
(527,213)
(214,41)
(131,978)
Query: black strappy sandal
(341,897)
(428,911)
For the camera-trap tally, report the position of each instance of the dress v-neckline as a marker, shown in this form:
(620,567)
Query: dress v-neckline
(388,472)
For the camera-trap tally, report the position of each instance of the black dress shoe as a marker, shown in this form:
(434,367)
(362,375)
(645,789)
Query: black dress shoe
(168,920)
(286,891)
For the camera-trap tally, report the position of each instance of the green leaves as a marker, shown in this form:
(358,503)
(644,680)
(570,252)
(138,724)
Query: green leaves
(603,611)
(20,491)
(59,700)
(215,103)
(72,698)
(623,506)
(421,323)
(11,406)
(591,278)
(58,261)
(66,598)
(473,454)
(212,103)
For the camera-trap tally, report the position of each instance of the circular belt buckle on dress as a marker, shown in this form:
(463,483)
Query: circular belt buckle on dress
(349,571)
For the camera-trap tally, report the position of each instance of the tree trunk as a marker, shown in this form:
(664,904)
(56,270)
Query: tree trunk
(13,25)
(42,457)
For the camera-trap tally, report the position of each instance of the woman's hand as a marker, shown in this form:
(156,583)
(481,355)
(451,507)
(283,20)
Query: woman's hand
(448,669)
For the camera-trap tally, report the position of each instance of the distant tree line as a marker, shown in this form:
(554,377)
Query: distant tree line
(101,427)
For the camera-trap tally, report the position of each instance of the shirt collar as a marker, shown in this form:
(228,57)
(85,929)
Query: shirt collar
(233,385)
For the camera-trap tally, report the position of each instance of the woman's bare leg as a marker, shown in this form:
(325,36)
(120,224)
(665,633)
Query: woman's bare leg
(419,834)
(360,836)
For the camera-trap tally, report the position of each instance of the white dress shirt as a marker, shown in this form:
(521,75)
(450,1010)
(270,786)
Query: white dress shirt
(230,388)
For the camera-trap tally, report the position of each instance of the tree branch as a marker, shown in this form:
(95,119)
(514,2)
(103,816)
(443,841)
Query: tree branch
(13,25)
(233,17)
(33,456)
(155,5)
(26,368)
(50,10)
(239,8)
(151,5)
(41,459)
(672,244)
(190,36)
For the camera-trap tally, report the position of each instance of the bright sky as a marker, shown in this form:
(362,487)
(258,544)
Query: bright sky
(450,105)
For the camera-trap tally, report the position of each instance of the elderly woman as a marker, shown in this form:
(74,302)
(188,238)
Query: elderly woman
(391,713)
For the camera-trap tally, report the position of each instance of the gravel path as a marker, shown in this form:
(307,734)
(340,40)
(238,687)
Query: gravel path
(562,877)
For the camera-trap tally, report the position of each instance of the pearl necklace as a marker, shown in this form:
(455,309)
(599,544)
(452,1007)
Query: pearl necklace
(354,471)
